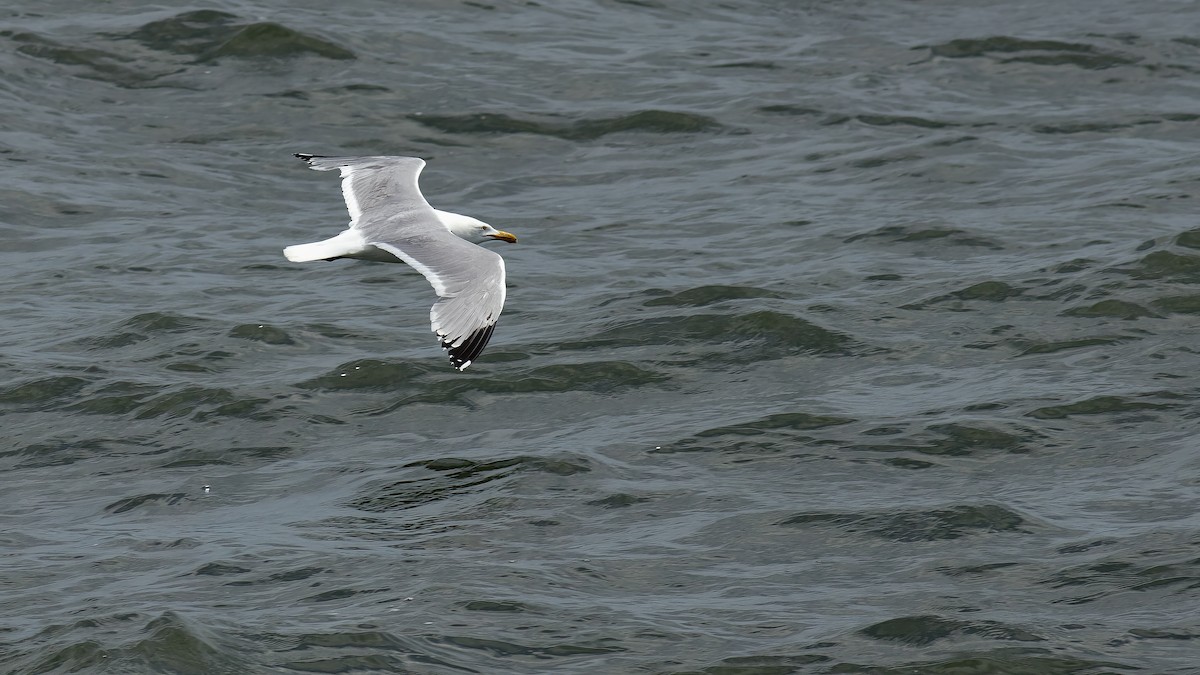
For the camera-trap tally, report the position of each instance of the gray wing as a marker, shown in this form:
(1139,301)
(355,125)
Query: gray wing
(386,205)
(377,184)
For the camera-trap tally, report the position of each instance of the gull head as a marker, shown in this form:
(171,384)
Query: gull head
(473,230)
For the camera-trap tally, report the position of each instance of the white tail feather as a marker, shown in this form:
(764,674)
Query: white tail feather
(345,245)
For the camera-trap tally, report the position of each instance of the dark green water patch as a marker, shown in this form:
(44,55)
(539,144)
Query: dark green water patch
(1179,304)
(211,34)
(42,392)
(1002,661)
(1099,405)
(89,62)
(273,40)
(116,398)
(166,644)
(455,476)
(1078,343)
(776,433)
(261,333)
(992,291)
(140,501)
(198,403)
(907,526)
(1038,52)
(1189,239)
(171,645)
(1150,571)
(188,33)
(598,377)
(757,65)
(511,649)
(113,341)
(339,594)
(976,570)
(984,291)
(1111,309)
(903,120)
(646,121)
(216,569)
(707,295)
(237,456)
(368,375)
(161,322)
(796,421)
(465,468)
(59,451)
(923,234)
(592,376)
(783,664)
(791,109)
(1177,267)
(763,335)
(1081,127)
(957,440)
(77,657)
(352,639)
(506,606)
(297,574)
(925,630)
(617,501)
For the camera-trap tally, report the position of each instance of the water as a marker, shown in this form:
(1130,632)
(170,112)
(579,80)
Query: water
(841,338)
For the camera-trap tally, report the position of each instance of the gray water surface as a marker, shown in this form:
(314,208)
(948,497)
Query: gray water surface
(842,337)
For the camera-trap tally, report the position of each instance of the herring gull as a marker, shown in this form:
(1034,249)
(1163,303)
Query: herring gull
(390,221)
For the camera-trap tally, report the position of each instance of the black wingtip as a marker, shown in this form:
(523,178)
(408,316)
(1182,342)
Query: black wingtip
(469,349)
(306,157)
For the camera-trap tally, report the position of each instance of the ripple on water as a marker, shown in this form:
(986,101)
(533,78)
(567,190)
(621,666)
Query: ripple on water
(705,295)
(754,336)
(210,34)
(1181,268)
(142,501)
(648,121)
(264,333)
(951,522)
(140,328)
(42,392)
(1147,571)
(939,236)
(1038,52)
(454,476)
(1111,309)
(927,629)
(1099,405)
(998,660)
(63,451)
(90,62)
(165,644)
(771,434)
(429,381)
(203,36)
(953,440)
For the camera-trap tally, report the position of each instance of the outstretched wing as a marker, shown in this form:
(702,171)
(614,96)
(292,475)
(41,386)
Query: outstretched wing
(372,185)
(469,281)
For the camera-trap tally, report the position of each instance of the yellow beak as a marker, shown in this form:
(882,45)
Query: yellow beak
(504,236)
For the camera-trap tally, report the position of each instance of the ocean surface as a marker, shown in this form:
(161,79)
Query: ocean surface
(841,337)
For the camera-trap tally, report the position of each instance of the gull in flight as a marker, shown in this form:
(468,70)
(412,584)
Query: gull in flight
(390,221)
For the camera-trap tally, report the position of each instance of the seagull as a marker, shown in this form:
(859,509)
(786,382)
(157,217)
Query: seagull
(390,221)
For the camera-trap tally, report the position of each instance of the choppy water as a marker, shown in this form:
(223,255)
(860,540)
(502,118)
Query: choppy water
(842,337)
